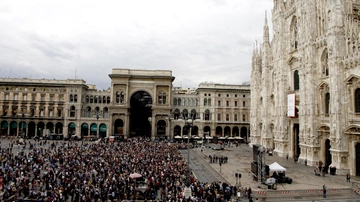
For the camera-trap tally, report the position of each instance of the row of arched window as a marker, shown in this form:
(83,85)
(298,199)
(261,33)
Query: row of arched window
(120,97)
(356,102)
(97,99)
(184,114)
(185,102)
(227,117)
(90,112)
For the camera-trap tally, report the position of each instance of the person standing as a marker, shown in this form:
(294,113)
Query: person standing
(324,191)
(348,177)
(249,193)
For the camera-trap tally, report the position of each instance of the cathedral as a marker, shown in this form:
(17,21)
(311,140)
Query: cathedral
(305,83)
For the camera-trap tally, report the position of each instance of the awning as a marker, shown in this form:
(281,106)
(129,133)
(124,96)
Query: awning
(103,128)
(276,167)
(85,125)
(13,125)
(4,124)
(93,128)
(22,124)
(72,125)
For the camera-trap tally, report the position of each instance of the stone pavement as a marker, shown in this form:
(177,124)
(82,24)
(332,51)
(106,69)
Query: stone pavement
(304,180)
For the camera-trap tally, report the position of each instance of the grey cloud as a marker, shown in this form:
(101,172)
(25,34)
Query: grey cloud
(48,46)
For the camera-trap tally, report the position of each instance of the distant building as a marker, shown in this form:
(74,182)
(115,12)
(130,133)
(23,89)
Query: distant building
(305,89)
(138,103)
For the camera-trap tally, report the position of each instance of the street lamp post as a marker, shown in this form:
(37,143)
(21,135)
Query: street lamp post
(189,125)
(169,119)
(22,122)
(97,126)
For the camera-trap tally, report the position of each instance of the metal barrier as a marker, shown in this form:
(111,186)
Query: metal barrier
(356,187)
(299,193)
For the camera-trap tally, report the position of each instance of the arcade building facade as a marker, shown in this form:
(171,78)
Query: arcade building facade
(138,103)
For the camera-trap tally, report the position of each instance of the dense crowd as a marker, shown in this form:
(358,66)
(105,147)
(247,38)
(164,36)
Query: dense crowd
(101,171)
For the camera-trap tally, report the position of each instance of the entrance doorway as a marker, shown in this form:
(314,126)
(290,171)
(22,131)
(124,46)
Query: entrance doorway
(328,158)
(357,149)
(296,130)
(140,111)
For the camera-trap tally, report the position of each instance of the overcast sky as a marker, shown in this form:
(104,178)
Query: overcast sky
(198,40)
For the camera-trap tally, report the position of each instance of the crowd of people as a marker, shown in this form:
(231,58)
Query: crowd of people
(101,171)
(215,159)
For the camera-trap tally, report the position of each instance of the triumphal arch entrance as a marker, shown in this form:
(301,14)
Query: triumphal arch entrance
(141,103)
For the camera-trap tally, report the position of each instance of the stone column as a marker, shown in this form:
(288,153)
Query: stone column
(126,125)
(153,120)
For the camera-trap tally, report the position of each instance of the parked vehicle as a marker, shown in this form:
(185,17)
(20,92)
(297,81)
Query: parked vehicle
(89,138)
(20,141)
(75,138)
(55,136)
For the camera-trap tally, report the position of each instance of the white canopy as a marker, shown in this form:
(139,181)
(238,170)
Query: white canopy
(276,167)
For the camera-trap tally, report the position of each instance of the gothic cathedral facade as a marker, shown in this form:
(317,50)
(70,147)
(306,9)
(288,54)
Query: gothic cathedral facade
(305,83)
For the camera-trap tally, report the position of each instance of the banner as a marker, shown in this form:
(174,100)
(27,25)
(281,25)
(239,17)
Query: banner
(291,105)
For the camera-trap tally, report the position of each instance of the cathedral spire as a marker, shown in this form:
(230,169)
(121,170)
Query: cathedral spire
(266,30)
(255,49)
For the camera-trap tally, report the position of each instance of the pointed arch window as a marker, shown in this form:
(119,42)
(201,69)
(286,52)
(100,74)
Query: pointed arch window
(357,100)
(294,33)
(175,101)
(71,98)
(75,98)
(324,63)
(176,114)
(91,99)
(95,99)
(185,113)
(327,103)
(205,102)
(193,114)
(296,80)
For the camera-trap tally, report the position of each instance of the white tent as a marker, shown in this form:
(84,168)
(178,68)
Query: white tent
(276,167)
